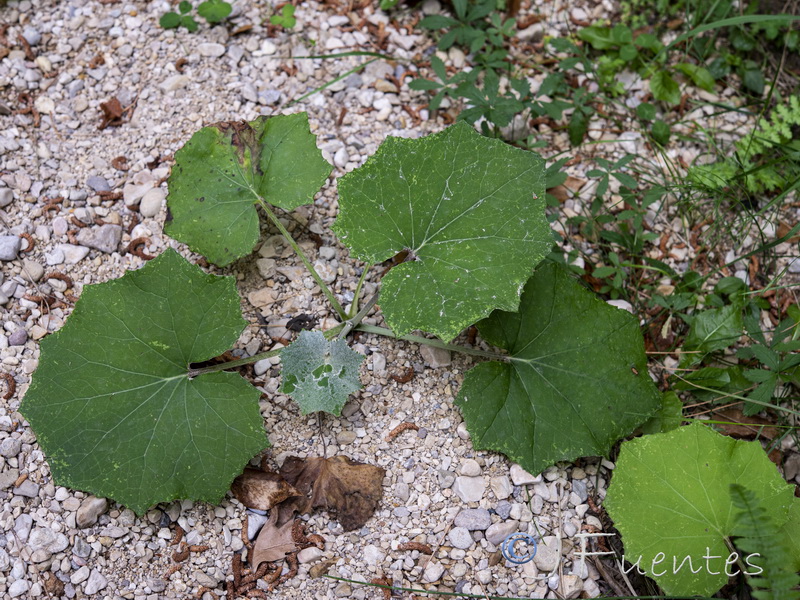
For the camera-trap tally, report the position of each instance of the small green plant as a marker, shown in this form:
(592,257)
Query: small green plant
(286,18)
(469,213)
(213,11)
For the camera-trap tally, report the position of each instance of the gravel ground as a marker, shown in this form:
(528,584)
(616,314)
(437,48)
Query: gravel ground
(64,184)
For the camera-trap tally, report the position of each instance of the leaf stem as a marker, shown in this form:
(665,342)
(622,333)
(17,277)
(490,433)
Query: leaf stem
(352,322)
(288,237)
(428,342)
(233,363)
(354,307)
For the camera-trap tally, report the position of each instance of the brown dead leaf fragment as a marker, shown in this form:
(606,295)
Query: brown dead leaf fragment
(261,489)
(745,427)
(352,489)
(274,541)
(112,113)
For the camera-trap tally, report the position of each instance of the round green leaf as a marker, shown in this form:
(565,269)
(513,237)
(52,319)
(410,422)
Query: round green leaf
(670,495)
(665,88)
(223,169)
(320,374)
(575,383)
(170,20)
(112,405)
(214,11)
(469,209)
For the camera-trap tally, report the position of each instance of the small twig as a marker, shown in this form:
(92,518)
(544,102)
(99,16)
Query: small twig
(400,429)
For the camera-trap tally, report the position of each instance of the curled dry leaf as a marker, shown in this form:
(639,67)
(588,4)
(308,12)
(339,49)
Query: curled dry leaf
(261,489)
(274,541)
(352,489)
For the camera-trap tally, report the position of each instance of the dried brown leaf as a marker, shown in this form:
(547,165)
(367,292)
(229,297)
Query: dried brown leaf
(273,542)
(744,426)
(112,113)
(352,489)
(261,489)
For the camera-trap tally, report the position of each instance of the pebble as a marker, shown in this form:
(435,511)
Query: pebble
(521,477)
(571,586)
(470,468)
(98,184)
(469,489)
(435,357)
(372,554)
(72,254)
(501,487)
(31,35)
(460,537)
(95,583)
(151,202)
(309,555)
(42,538)
(27,489)
(18,338)
(433,571)
(497,532)
(19,587)
(22,526)
(547,557)
(90,511)
(211,49)
(32,270)
(105,238)
(6,197)
(503,509)
(9,246)
(345,437)
(473,519)
(174,83)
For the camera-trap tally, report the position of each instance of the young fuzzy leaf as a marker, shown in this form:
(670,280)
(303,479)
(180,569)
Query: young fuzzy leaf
(170,20)
(469,209)
(112,405)
(571,392)
(223,169)
(670,499)
(320,374)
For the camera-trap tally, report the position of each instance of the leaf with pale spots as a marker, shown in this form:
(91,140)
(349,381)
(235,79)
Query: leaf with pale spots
(113,407)
(576,380)
(221,172)
(320,374)
(470,211)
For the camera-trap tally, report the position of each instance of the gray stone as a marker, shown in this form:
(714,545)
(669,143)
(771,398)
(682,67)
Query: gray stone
(7,479)
(211,49)
(18,338)
(269,97)
(156,585)
(579,487)
(469,489)
(571,586)
(10,447)
(473,519)
(435,357)
(176,82)
(501,486)
(32,270)
(547,557)
(95,583)
(5,560)
(9,246)
(470,468)
(73,254)
(433,571)
(205,579)
(81,548)
(309,555)
(31,35)
(500,531)
(460,537)
(446,478)
(503,509)
(105,238)
(80,575)
(521,477)
(151,202)
(22,527)
(43,538)
(90,511)
(27,489)
(345,437)
(6,197)
(98,184)
(19,587)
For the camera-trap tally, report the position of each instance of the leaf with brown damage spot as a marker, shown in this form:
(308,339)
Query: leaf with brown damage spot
(351,489)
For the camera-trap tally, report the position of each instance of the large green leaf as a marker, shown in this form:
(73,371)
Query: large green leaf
(112,405)
(712,329)
(792,533)
(320,374)
(223,169)
(469,209)
(670,494)
(576,381)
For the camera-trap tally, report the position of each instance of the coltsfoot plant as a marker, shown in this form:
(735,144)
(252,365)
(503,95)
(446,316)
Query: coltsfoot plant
(121,409)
